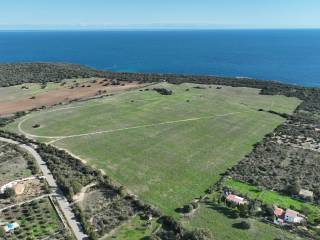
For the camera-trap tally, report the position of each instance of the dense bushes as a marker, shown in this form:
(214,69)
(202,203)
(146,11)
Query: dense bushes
(171,229)
(70,175)
(281,166)
(13,74)
(6,120)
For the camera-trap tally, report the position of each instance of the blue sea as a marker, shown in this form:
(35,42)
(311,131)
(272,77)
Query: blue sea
(290,56)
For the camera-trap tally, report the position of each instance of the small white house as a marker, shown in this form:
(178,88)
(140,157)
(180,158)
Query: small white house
(236,199)
(9,228)
(305,194)
(293,216)
(8,186)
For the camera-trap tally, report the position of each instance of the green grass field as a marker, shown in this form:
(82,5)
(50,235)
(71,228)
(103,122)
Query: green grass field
(135,229)
(165,149)
(271,198)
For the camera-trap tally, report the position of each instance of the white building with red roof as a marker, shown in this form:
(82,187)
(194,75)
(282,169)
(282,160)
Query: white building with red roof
(236,199)
(292,216)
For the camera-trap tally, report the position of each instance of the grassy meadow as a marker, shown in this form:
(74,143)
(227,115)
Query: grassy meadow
(165,149)
(134,229)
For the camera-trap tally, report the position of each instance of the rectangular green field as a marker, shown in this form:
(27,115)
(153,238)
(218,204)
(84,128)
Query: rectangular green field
(166,149)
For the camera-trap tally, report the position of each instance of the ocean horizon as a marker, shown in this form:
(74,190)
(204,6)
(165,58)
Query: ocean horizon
(289,56)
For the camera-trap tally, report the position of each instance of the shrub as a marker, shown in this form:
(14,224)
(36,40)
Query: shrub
(187,208)
(242,225)
(9,193)
(199,234)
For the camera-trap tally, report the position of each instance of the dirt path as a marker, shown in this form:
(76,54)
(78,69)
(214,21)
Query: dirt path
(80,196)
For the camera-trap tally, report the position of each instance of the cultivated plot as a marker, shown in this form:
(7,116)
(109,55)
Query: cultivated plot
(33,220)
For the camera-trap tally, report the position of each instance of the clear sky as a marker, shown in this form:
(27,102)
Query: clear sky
(160,13)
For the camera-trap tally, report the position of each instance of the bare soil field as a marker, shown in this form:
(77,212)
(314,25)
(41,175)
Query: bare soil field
(31,189)
(64,95)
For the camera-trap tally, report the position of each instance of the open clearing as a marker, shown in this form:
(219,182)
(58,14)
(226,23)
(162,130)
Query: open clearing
(33,95)
(135,229)
(165,149)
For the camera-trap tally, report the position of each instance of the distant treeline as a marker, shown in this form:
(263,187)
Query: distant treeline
(13,74)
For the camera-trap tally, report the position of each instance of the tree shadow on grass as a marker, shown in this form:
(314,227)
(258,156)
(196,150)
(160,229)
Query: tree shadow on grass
(224,210)
(241,225)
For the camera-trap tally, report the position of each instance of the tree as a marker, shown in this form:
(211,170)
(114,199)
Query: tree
(268,211)
(242,225)
(2,233)
(243,210)
(294,188)
(76,187)
(187,208)
(9,193)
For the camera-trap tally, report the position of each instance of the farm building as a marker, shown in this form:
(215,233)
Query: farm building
(278,212)
(306,194)
(293,216)
(236,199)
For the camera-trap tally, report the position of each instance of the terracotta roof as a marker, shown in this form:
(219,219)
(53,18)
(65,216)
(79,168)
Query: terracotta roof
(235,198)
(278,212)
